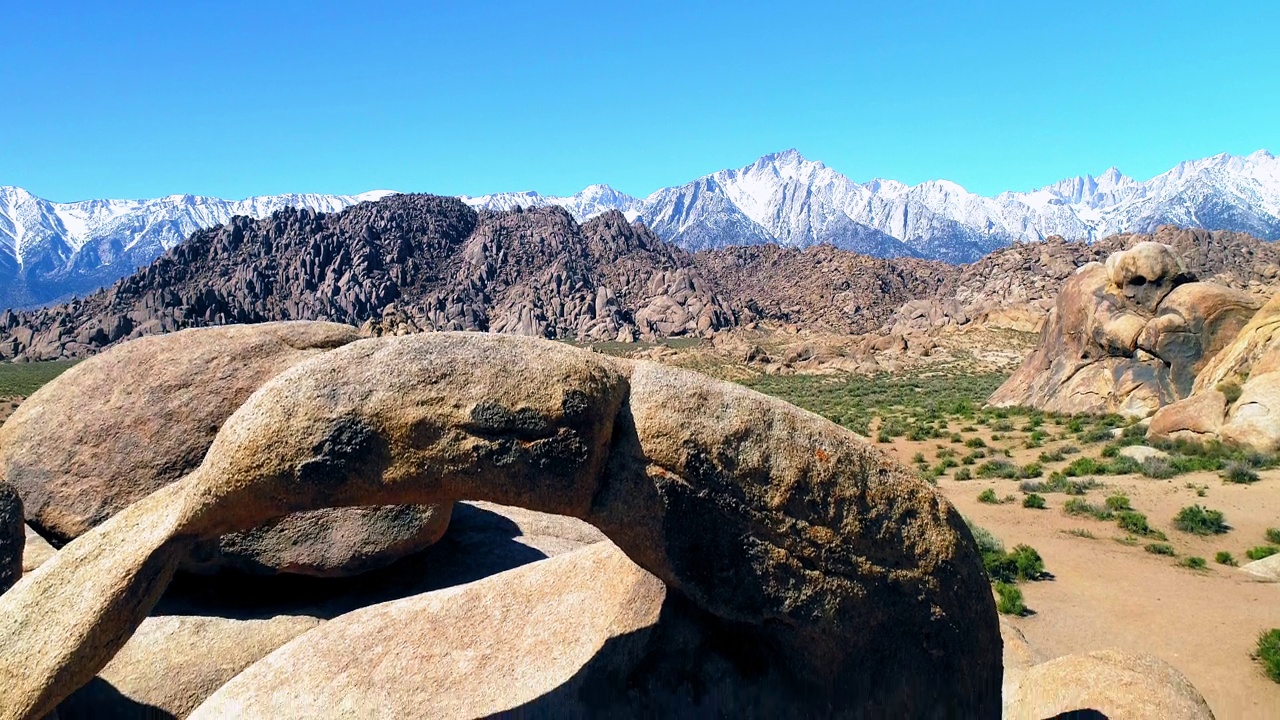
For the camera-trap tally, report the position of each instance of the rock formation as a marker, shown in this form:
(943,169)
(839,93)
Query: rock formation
(1015,287)
(1127,337)
(116,427)
(1106,684)
(12,536)
(842,573)
(1236,396)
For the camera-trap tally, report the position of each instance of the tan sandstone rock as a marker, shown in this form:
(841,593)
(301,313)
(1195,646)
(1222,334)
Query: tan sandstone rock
(511,643)
(36,550)
(1266,569)
(12,536)
(1128,338)
(174,662)
(1019,656)
(117,426)
(837,569)
(1197,418)
(1114,683)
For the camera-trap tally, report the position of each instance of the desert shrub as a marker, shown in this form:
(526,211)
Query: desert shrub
(1033,501)
(1231,389)
(1070,450)
(1081,533)
(1136,523)
(988,496)
(1118,502)
(1158,468)
(1122,466)
(1194,563)
(1079,506)
(963,474)
(1095,435)
(997,469)
(944,452)
(1075,424)
(975,442)
(1030,470)
(1051,456)
(919,458)
(1009,600)
(1029,563)
(1239,472)
(1224,558)
(1273,536)
(1110,451)
(1268,653)
(1262,551)
(1159,548)
(1083,466)
(881,437)
(1200,521)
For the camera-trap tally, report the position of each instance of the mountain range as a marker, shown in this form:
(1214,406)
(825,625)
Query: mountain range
(49,251)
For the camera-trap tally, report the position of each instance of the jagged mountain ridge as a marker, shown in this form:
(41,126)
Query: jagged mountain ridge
(52,250)
(419,262)
(786,199)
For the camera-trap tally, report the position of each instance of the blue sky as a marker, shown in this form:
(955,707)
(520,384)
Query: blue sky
(238,98)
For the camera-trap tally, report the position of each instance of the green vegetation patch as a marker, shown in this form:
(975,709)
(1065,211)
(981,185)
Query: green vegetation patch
(1199,520)
(25,378)
(1268,653)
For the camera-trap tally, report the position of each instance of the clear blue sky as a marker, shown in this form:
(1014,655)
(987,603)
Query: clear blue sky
(239,98)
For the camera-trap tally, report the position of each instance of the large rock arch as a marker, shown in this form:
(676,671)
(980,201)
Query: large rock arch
(858,579)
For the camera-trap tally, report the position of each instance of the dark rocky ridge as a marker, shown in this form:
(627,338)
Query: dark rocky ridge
(421,262)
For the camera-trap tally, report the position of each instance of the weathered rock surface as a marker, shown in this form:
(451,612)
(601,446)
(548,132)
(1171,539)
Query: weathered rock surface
(1107,683)
(1249,369)
(173,663)
(12,536)
(116,427)
(852,579)
(1142,453)
(520,642)
(1118,341)
(1268,568)
(35,551)
(1019,657)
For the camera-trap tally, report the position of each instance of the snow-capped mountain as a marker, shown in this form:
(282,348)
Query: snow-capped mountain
(784,198)
(50,250)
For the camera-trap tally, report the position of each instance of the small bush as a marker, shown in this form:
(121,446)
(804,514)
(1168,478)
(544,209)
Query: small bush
(1053,456)
(1118,502)
(1010,600)
(1134,522)
(1238,472)
(1083,466)
(1158,468)
(1194,563)
(974,442)
(919,459)
(1273,536)
(1033,501)
(1262,551)
(1123,466)
(963,474)
(988,496)
(1078,506)
(997,469)
(1029,563)
(1159,549)
(1096,435)
(1200,521)
(1081,533)
(1231,389)
(1268,653)
(1224,558)
(1070,450)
